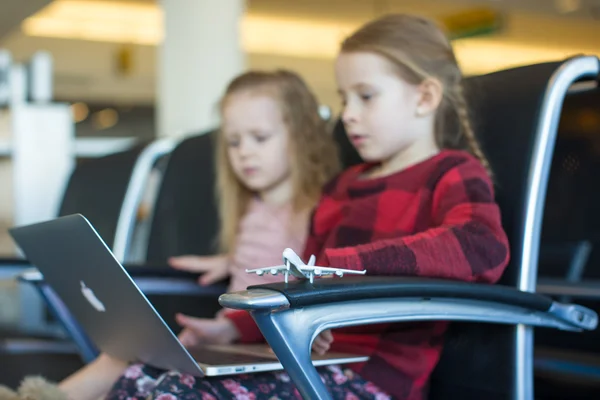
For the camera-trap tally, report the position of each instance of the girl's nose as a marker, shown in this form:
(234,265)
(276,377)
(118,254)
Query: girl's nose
(349,115)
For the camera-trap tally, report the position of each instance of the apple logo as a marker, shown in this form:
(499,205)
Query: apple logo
(91,298)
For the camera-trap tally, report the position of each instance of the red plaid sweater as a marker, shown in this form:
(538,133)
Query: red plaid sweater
(436,219)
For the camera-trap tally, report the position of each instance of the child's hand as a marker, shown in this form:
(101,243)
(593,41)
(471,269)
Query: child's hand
(198,331)
(214,267)
(322,343)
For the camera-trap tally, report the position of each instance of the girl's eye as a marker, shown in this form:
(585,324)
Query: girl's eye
(233,143)
(262,138)
(366,97)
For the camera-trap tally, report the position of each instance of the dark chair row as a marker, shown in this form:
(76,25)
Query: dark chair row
(513,118)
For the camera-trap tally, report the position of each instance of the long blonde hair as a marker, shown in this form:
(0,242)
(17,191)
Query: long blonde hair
(419,49)
(313,154)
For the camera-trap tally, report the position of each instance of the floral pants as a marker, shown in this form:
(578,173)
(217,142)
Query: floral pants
(140,382)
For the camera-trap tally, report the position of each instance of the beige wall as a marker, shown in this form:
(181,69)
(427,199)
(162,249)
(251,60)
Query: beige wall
(6,200)
(87,70)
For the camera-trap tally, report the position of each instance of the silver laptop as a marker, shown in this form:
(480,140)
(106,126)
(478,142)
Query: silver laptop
(117,316)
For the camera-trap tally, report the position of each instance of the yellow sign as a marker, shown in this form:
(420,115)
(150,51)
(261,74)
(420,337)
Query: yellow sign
(473,22)
(124,60)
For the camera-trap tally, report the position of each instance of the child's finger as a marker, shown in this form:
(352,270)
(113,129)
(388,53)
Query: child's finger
(193,324)
(327,336)
(320,346)
(190,263)
(318,341)
(188,338)
(211,277)
(181,320)
(320,349)
(324,340)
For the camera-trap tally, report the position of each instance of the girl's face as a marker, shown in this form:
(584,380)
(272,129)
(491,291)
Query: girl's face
(257,141)
(384,115)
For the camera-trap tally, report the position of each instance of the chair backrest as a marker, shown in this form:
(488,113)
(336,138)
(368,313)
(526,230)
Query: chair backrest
(570,244)
(571,229)
(185,221)
(185,217)
(97,187)
(515,114)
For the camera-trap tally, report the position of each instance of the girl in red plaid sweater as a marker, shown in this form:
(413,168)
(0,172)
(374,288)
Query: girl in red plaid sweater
(417,206)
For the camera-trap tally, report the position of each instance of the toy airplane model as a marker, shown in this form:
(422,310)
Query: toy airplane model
(292,264)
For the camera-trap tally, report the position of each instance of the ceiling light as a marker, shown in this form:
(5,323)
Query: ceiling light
(105,119)
(80,112)
(142,23)
(567,6)
(106,21)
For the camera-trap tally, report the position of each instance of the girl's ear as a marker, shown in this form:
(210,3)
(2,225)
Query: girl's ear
(431,93)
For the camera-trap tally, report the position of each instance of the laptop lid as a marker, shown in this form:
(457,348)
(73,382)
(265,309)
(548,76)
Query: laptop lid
(100,294)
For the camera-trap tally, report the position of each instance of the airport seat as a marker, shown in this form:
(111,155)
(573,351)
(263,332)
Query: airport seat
(565,363)
(183,221)
(97,187)
(488,352)
(568,364)
(185,216)
(108,190)
(36,355)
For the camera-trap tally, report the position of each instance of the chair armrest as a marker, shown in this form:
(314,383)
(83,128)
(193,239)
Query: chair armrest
(164,280)
(454,301)
(152,280)
(158,270)
(332,303)
(10,267)
(13,262)
(324,291)
(587,289)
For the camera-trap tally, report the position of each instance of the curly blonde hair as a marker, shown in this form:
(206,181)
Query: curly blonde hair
(313,154)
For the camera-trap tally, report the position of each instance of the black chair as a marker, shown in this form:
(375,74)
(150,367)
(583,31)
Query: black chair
(27,358)
(571,233)
(107,190)
(516,113)
(184,221)
(97,188)
(185,216)
(569,241)
(567,364)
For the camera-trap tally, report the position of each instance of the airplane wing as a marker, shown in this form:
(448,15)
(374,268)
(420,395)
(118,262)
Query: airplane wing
(274,270)
(333,271)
